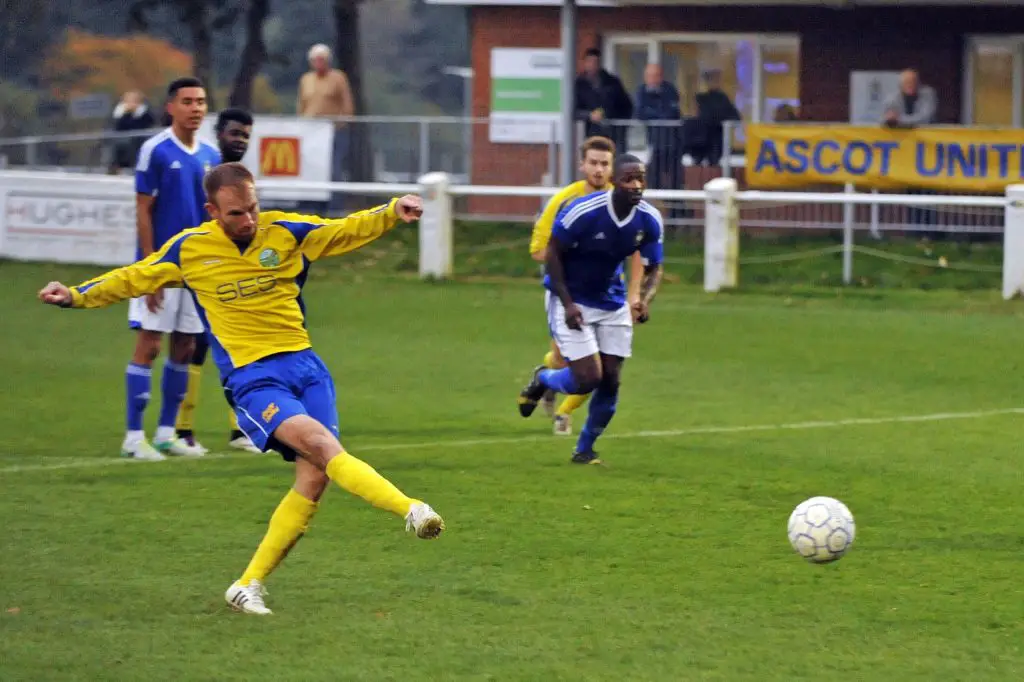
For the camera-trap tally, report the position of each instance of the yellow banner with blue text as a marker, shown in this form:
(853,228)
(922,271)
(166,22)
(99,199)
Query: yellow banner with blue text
(945,159)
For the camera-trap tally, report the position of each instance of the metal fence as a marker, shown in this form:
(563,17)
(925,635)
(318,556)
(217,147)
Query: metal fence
(483,151)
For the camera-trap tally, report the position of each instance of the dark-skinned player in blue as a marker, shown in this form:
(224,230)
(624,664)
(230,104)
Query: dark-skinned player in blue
(588,315)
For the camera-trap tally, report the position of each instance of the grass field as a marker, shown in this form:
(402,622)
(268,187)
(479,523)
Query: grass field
(671,563)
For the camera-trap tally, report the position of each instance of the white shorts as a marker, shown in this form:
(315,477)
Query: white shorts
(177,314)
(604,331)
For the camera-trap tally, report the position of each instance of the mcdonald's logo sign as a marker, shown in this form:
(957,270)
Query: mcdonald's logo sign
(279,156)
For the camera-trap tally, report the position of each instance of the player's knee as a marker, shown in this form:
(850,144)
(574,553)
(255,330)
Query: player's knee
(610,382)
(182,348)
(320,446)
(588,379)
(147,348)
(202,346)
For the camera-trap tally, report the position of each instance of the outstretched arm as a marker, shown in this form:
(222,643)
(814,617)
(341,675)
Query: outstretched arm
(320,237)
(148,275)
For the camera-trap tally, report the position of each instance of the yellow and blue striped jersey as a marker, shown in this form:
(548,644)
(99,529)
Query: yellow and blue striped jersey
(542,228)
(249,297)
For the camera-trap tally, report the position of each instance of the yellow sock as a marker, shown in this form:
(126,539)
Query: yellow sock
(234,420)
(359,478)
(287,525)
(549,360)
(571,404)
(187,410)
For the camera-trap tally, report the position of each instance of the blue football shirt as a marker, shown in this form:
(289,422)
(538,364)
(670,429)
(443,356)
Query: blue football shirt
(597,244)
(173,174)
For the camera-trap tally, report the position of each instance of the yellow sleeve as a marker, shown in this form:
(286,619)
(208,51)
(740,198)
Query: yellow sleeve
(146,276)
(318,237)
(542,228)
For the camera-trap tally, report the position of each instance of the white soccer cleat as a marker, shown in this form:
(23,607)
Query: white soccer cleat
(563,425)
(179,447)
(245,443)
(248,598)
(427,523)
(141,451)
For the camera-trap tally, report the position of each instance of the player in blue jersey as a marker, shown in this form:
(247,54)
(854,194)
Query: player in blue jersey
(588,315)
(234,131)
(169,198)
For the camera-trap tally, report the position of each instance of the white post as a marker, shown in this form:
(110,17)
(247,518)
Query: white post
(848,238)
(436,226)
(875,232)
(1013,243)
(721,235)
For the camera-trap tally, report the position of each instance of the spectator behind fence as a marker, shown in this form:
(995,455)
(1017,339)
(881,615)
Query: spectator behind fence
(131,113)
(325,93)
(714,108)
(785,113)
(658,100)
(914,104)
(601,97)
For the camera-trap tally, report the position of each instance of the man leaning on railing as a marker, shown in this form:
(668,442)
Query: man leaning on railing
(657,101)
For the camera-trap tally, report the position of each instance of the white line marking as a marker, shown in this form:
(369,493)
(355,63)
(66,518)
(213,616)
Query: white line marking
(695,431)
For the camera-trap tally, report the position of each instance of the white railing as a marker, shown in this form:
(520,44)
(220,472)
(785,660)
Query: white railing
(69,217)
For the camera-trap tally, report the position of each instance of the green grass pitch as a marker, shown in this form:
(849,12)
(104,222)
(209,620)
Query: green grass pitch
(669,564)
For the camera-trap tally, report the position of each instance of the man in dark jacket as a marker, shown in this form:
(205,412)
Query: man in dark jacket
(658,101)
(600,97)
(130,114)
(714,108)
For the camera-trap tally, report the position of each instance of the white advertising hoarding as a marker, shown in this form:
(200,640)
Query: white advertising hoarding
(67,218)
(526,95)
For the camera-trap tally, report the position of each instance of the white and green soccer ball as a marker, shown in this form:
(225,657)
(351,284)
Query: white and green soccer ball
(821,529)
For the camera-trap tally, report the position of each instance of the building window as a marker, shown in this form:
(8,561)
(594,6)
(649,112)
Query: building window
(759,72)
(994,81)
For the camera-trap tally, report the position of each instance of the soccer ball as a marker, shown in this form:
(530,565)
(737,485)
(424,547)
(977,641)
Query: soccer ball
(821,529)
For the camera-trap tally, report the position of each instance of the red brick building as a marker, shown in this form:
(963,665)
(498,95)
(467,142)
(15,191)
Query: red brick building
(971,53)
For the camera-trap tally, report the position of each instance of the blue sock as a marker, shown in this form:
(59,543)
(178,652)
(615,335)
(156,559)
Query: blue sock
(602,408)
(136,382)
(559,380)
(173,387)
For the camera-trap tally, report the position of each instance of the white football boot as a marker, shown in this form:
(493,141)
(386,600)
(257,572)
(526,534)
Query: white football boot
(248,598)
(427,523)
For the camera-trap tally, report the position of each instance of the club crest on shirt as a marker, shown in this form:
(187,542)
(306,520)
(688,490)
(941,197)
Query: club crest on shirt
(269,258)
(639,237)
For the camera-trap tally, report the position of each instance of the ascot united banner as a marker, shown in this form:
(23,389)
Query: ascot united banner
(948,159)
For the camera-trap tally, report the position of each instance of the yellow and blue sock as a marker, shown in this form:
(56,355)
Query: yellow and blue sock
(603,402)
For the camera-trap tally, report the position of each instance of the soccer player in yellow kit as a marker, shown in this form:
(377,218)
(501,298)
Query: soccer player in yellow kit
(596,157)
(245,270)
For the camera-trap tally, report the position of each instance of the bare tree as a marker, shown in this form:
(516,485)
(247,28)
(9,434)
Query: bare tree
(254,54)
(348,52)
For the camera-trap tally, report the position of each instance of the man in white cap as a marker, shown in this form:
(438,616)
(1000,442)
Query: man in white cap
(325,92)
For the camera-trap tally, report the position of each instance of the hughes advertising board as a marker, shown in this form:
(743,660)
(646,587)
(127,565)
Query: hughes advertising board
(67,218)
(972,160)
